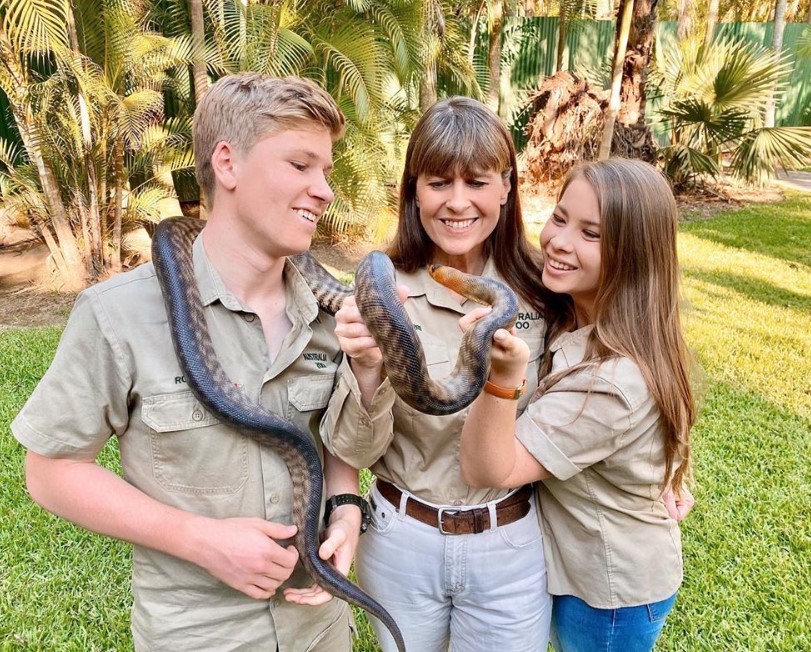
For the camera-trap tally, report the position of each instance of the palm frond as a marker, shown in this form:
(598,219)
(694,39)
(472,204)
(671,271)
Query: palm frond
(36,26)
(764,149)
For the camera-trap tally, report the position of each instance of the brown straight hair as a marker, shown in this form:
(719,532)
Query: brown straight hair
(461,135)
(636,311)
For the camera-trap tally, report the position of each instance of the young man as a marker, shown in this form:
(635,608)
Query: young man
(207,509)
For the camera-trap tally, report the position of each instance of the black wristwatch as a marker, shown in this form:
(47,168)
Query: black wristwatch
(350,499)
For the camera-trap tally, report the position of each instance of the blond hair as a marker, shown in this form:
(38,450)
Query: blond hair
(244,108)
(636,311)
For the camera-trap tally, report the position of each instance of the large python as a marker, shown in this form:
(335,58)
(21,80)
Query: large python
(403,358)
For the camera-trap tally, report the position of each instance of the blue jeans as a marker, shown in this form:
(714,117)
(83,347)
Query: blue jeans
(577,627)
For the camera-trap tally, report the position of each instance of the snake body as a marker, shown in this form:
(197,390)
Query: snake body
(403,360)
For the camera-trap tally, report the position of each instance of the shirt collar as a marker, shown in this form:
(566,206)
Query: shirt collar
(299,298)
(574,342)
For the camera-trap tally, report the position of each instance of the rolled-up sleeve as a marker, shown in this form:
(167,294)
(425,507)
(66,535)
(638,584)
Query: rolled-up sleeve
(352,433)
(580,421)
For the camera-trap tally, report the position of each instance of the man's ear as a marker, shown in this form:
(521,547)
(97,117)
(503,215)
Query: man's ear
(223,163)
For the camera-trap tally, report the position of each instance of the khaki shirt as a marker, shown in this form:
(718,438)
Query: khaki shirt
(607,537)
(412,450)
(115,372)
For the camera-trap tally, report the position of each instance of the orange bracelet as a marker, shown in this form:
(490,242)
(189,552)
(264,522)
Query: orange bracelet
(506,392)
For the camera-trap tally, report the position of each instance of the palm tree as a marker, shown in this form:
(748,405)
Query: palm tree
(714,102)
(84,91)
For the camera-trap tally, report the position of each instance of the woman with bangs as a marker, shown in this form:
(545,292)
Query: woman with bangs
(455,565)
(608,431)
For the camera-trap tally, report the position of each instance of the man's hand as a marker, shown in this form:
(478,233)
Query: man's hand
(338,548)
(244,553)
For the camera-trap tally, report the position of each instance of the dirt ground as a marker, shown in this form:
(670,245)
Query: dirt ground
(28,304)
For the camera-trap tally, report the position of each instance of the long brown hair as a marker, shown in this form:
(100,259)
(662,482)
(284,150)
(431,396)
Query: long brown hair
(462,135)
(636,311)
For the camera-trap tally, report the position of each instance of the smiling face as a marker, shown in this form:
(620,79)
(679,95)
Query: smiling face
(459,213)
(571,245)
(280,189)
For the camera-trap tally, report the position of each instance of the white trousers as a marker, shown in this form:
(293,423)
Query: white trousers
(482,592)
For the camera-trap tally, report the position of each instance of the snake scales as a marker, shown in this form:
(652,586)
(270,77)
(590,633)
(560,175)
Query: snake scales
(403,360)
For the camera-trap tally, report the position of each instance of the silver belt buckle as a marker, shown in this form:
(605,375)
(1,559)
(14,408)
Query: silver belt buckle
(440,512)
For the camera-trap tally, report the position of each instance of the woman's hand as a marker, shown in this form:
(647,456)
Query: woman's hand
(355,338)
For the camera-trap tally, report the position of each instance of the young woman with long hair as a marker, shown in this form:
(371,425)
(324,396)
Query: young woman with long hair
(608,430)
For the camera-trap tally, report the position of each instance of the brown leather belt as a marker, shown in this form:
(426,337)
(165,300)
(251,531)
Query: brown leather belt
(450,520)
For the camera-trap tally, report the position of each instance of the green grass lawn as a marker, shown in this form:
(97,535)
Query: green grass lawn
(747,543)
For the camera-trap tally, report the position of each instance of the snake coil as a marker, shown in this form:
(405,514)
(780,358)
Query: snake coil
(403,360)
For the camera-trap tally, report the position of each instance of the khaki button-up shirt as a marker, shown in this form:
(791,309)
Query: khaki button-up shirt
(412,450)
(607,537)
(115,372)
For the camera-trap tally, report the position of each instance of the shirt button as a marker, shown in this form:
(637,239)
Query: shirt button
(275,602)
(197,415)
(456,503)
(274,498)
(364,420)
(249,317)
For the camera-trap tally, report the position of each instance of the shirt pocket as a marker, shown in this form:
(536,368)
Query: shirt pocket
(192,452)
(307,398)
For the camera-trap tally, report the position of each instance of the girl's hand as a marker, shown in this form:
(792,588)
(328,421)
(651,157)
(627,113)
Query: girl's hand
(509,354)
(678,507)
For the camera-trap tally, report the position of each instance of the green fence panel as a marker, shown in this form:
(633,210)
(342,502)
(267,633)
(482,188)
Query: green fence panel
(794,103)
(529,45)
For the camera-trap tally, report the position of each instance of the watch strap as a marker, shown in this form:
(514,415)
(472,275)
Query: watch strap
(512,393)
(349,499)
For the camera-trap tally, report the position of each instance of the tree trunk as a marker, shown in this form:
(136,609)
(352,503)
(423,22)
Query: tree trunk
(637,57)
(115,261)
(563,31)
(685,19)
(434,31)
(712,21)
(73,271)
(198,38)
(620,44)
(494,55)
(91,218)
(777,46)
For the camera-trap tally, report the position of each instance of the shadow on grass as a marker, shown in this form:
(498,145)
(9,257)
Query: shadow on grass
(781,230)
(754,289)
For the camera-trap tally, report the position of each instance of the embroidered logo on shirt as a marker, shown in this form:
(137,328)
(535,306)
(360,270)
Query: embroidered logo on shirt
(524,319)
(320,359)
